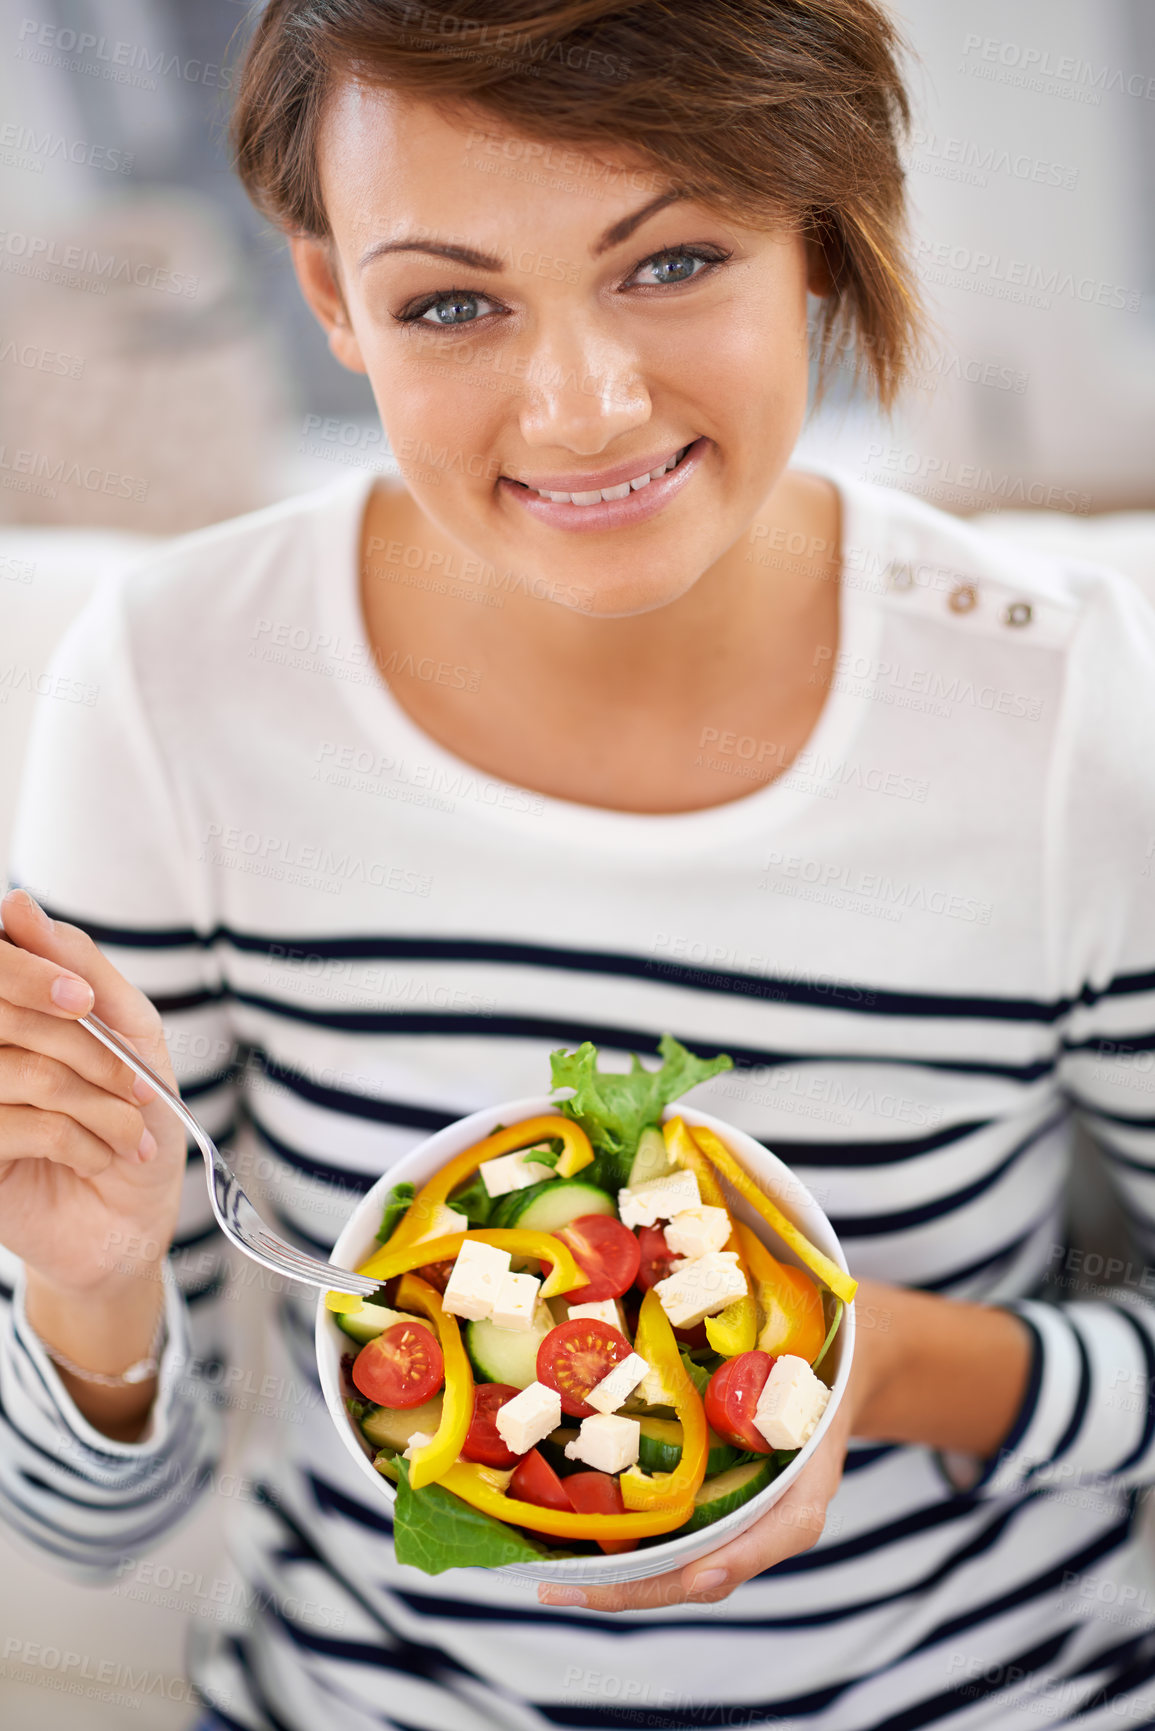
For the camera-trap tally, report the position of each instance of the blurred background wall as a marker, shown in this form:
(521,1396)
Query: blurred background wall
(150,317)
(158,371)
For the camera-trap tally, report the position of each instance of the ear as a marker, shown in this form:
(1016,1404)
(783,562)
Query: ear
(316,273)
(823,258)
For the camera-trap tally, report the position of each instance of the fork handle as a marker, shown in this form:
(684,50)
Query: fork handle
(123,1050)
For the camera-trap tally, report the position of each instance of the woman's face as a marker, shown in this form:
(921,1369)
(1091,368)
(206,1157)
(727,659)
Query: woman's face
(535,320)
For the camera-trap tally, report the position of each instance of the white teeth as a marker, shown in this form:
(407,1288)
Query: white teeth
(622,491)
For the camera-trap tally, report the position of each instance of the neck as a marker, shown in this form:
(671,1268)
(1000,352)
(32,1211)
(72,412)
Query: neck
(740,615)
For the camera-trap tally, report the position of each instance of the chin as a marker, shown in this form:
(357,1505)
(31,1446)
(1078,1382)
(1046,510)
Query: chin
(621,597)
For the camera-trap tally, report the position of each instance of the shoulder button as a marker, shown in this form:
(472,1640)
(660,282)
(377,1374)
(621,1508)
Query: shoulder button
(1018,613)
(964,599)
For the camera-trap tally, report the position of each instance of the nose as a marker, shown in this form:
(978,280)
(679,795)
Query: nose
(584,390)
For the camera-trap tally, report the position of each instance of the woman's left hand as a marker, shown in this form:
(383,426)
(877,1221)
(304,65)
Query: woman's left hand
(794,1524)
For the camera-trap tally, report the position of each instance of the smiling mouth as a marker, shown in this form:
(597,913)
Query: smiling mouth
(606,494)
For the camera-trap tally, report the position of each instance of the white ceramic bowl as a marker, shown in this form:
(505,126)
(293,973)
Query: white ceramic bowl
(358,1241)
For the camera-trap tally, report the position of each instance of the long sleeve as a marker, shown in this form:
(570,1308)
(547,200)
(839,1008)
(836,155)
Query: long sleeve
(98,839)
(1089,1411)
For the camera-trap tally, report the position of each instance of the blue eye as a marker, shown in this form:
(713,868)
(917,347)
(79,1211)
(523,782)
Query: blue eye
(452,309)
(670,268)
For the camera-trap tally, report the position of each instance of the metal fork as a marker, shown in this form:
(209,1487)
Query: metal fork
(238,1219)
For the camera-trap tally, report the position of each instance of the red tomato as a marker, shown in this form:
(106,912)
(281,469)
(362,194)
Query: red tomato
(534,1481)
(437,1273)
(731,1396)
(607,1254)
(575,1356)
(693,1337)
(483,1441)
(599,1494)
(402,1367)
(654,1256)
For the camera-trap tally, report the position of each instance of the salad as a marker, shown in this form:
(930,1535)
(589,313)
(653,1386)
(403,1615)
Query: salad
(576,1346)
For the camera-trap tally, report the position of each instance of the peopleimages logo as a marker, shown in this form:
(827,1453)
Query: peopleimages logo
(118,62)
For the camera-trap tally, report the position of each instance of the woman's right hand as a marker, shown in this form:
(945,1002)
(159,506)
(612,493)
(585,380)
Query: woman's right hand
(91,1162)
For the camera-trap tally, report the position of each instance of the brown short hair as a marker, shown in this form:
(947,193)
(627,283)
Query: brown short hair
(782,110)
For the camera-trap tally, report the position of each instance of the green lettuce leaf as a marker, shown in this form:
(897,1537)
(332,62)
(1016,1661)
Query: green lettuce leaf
(613,1107)
(474,1201)
(698,1374)
(396,1205)
(434,1530)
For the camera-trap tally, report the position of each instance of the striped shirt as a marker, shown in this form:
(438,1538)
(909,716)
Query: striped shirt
(928,945)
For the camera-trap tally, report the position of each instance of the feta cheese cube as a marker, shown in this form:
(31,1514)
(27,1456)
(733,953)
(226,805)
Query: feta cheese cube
(700,1287)
(516,1297)
(599,1310)
(476,1280)
(418,1440)
(607,1442)
(443,1221)
(697,1231)
(792,1401)
(514,1171)
(523,1421)
(610,1393)
(659,1199)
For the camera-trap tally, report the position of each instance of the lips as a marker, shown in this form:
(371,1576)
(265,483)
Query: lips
(621,501)
(604,495)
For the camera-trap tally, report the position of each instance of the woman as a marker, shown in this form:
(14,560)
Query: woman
(607,721)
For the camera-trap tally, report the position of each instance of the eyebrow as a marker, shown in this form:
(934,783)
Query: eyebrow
(473,259)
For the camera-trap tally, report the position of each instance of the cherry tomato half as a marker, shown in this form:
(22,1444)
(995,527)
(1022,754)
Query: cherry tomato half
(655,1258)
(574,1357)
(693,1337)
(599,1494)
(437,1273)
(483,1441)
(732,1393)
(402,1367)
(534,1481)
(607,1254)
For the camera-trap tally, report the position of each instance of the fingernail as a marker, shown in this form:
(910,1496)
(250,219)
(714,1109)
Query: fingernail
(563,1596)
(707,1582)
(142,1091)
(70,993)
(146,1147)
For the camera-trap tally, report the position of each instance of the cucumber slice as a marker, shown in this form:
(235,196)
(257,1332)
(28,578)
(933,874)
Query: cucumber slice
(660,1448)
(557,1202)
(651,1159)
(390,1427)
(386,1463)
(553,1448)
(373,1319)
(507,1354)
(729,1490)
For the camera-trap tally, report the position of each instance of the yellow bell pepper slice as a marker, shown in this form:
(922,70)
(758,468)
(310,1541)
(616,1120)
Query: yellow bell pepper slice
(640,1490)
(432,1462)
(393,1259)
(577,1153)
(724,1162)
(734,1329)
(794,1320)
(472,1484)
